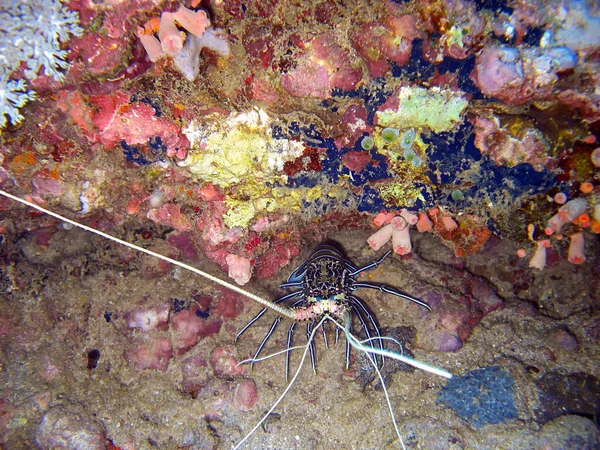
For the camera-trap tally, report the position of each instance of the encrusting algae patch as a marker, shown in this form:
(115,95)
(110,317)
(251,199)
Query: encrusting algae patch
(239,149)
(241,156)
(435,108)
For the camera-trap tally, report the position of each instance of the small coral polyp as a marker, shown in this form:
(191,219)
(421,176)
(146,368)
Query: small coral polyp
(367,143)
(389,135)
(575,218)
(408,139)
(400,146)
(595,157)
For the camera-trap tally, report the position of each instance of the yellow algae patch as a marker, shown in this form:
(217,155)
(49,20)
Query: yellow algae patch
(237,155)
(242,211)
(437,109)
(240,149)
(455,36)
(407,186)
(240,155)
(399,193)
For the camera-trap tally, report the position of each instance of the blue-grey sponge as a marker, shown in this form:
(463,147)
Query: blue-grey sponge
(481,397)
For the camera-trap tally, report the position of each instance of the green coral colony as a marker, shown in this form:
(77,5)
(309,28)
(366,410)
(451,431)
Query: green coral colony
(408,139)
(457,195)
(416,162)
(367,143)
(389,135)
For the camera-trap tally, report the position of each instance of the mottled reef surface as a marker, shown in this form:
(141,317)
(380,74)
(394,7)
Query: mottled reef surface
(80,370)
(462,136)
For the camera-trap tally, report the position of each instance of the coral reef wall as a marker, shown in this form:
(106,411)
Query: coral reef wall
(245,124)
(235,135)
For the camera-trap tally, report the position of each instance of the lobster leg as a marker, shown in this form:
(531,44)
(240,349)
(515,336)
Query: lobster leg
(390,290)
(290,340)
(359,303)
(311,345)
(347,353)
(268,335)
(290,285)
(249,324)
(324,333)
(288,296)
(359,314)
(264,310)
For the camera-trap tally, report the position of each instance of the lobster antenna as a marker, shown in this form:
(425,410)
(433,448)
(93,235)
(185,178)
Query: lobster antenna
(385,391)
(290,384)
(279,309)
(388,353)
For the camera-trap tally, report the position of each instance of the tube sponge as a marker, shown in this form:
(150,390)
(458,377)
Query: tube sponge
(567,213)
(171,39)
(196,22)
(424,224)
(380,237)
(397,230)
(538,260)
(400,236)
(400,232)
(576,249)
(151,44)
(183,46)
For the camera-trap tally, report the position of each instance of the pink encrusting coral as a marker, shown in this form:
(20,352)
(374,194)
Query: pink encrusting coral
(517,75)
(170,215)
(240,268)
(326,66)
(149,318)
(150,352)
(502,146)
(189,327)
(378,43)
(245,395)
(115,119)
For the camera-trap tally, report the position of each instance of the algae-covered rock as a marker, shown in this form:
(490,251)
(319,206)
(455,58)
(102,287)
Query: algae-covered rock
(435,108)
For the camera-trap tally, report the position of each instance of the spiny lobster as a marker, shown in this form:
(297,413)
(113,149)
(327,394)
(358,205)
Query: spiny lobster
(327,281)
